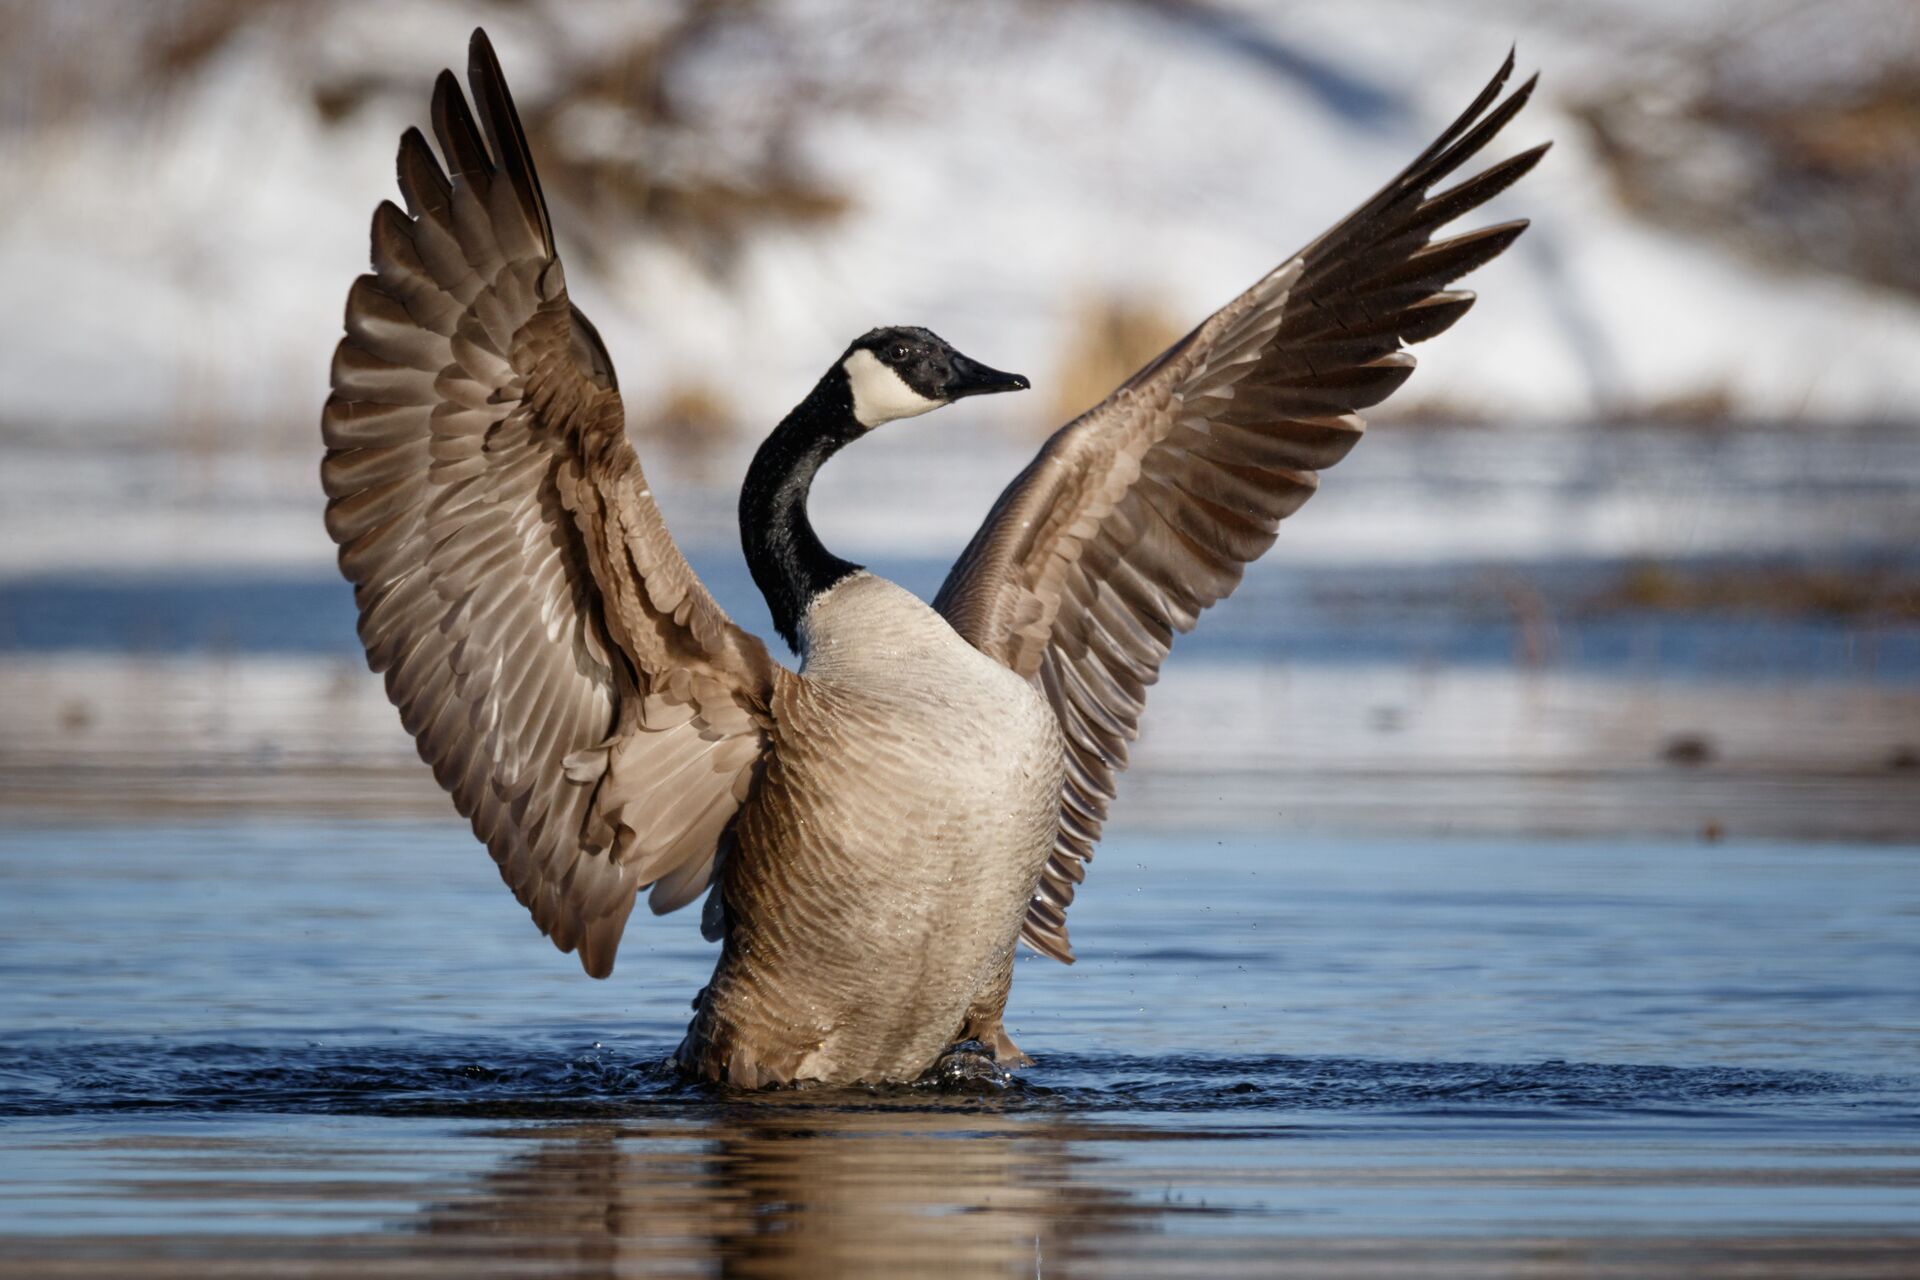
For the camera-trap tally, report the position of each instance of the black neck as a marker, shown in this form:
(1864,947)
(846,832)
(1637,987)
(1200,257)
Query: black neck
(789,565)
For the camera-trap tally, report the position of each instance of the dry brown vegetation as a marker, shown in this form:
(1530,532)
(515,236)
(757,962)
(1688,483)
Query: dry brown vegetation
(1412,408)
(1827,177)
(1710,407)
(1863,594)
(695,422)
(658,163)
(707,211)
(1110,338)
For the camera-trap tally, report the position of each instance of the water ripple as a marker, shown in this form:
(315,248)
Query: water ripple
(501,1078)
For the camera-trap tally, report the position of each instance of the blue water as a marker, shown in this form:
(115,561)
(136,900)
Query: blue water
(299,1044)
(1455,614)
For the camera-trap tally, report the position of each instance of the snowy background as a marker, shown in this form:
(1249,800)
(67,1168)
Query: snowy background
(1058,187)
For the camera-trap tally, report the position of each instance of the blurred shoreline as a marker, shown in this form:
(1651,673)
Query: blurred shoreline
(1463,751)
(1611,631)
(1408,494)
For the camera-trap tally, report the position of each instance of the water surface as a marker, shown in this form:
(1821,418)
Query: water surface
(336,1047)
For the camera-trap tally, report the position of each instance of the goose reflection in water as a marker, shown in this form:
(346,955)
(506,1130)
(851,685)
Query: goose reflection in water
(805,1193)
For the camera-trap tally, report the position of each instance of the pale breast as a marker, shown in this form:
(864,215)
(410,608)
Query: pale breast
(930,733)
(877,641)
(943,730)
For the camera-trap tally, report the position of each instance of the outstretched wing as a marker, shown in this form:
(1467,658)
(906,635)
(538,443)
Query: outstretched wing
(1146,510)
(574,686)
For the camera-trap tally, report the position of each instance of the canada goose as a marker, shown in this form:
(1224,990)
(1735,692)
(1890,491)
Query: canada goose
(879,827)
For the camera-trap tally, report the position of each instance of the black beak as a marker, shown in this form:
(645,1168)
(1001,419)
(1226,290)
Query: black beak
(971,378)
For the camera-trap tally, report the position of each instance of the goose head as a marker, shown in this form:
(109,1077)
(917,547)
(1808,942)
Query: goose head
(903,371)
(886,374)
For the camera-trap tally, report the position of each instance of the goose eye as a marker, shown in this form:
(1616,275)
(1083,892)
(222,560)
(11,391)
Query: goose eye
(900,353)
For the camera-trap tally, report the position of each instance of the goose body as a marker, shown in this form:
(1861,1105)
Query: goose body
(883,866)
(876,829)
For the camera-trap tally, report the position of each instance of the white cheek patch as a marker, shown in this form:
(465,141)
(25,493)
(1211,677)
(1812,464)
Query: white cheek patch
(879,394)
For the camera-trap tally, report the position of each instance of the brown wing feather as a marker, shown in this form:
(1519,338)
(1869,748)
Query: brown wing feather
(1143,512)
(574,686)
